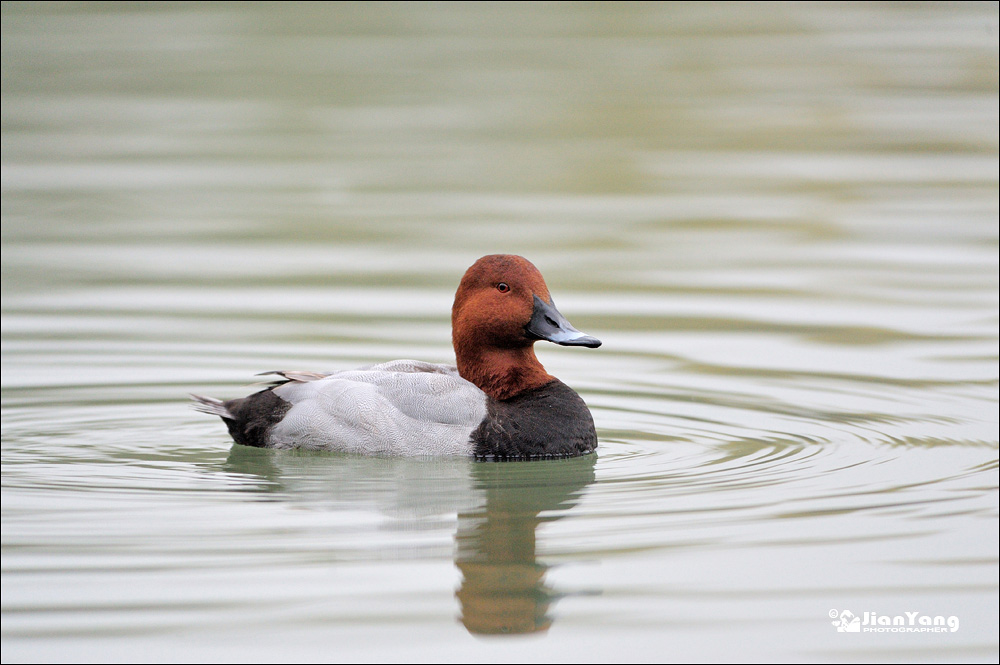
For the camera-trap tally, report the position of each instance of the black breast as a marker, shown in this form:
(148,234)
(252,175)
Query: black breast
(549,421)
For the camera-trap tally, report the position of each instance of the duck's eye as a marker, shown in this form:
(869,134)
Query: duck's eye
(502,287)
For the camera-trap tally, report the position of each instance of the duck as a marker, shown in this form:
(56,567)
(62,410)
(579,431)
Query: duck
(496,402)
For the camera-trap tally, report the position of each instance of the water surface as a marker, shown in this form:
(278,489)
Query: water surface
(780,219)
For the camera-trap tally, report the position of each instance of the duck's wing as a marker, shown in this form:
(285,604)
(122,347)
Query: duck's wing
(403,407)
(302,376)
(406,366)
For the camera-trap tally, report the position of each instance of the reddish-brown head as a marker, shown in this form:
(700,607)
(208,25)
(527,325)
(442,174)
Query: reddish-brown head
(502,307)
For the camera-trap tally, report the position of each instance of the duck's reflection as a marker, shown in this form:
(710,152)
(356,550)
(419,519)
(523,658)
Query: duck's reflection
(499,504)
(503,584)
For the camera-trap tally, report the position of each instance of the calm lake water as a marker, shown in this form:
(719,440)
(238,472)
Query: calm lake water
(780,219)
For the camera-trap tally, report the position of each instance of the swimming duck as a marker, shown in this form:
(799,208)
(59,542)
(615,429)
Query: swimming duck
(497,402)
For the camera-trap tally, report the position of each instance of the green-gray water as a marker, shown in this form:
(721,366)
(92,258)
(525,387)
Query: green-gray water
(781,219)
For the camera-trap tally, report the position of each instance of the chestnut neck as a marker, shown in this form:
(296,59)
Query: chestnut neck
(501,373)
